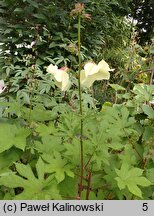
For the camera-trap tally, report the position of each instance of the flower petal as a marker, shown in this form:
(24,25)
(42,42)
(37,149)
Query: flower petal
(62,80)
(65,81)
(2,86)
(94,72)
(58,75)
(90,68)
(104,64)
(102,74)
(52,68)
(86,81)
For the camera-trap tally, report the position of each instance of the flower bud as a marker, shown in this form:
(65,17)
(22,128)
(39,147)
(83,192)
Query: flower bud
(79,7)
(87,16)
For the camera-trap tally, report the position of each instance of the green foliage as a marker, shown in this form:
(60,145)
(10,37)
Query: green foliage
(131,178)
(54,35)
(40,127)
(123,141)
(33,187)
(142,11)
(12,135)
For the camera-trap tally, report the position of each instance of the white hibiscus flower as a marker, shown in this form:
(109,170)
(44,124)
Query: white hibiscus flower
(60,75)
(94,72)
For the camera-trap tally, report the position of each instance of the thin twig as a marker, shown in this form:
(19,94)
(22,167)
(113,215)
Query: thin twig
(145,71)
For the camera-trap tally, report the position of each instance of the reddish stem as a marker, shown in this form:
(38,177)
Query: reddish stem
(88,186)
(72,198)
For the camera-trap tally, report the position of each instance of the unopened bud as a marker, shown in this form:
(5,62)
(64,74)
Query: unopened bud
(79,7)
(72,48)
(87,16)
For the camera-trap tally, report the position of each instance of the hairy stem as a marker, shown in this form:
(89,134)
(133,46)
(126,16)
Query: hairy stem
(80,101)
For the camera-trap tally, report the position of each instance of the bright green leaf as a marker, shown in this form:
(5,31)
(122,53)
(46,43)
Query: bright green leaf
(25,171)
(149,111)
(7,134)
(33,188)
(148,133)
(131,178)
(20,138)
(58,166)
(40,167)
(117,87)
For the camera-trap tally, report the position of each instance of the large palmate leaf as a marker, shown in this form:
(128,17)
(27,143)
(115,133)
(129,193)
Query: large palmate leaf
(150,174)
(58,166)
(7,135)
(20,138)
(117,125)
(38,114)
(33,187)
(72,151)
(7,159)
(143,92)
(148,133)
(149,111)
(13,135)
(44,129)
(49,144)
(69,187)
(131,178)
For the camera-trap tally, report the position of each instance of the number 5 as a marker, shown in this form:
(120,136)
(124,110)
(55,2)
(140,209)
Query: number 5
(145,207)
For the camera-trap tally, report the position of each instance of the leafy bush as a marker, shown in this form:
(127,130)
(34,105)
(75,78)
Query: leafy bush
(67,145)
(47,151)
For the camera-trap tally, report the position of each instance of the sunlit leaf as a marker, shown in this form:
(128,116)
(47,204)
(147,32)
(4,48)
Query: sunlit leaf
(131,178)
